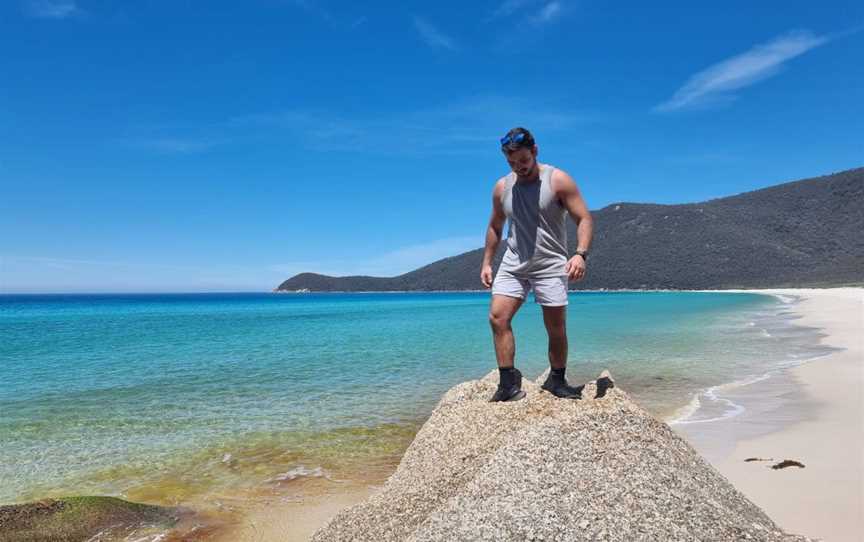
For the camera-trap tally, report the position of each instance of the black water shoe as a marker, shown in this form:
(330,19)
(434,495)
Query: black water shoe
(603,385)
(557,385)
(509,386)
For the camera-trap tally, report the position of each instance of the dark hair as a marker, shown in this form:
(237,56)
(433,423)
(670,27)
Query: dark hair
(517,138)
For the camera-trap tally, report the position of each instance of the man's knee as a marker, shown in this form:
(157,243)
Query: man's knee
(500,321)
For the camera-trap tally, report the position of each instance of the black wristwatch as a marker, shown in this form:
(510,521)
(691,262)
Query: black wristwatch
(583,253)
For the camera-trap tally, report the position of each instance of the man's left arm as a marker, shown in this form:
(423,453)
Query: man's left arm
(571,198)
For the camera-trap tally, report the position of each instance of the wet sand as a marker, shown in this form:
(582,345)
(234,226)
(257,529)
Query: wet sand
(294,516)
(294,521)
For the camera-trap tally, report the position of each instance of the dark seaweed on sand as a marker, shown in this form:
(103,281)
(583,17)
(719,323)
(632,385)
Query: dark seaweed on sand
(787,463)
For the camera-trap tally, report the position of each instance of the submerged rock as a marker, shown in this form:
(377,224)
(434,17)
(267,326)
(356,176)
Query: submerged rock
(544,468)
(81,518)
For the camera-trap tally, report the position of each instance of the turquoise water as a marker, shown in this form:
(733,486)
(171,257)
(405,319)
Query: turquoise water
(174,397)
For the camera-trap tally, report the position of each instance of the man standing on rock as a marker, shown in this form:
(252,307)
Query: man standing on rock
(536,199)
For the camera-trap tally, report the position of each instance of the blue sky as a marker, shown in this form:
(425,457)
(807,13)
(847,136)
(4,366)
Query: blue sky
(215,145)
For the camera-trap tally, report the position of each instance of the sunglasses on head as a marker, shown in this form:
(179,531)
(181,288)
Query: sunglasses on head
(516,138)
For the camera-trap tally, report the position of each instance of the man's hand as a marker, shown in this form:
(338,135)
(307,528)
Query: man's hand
(568,193)
(575,268)
(486,275)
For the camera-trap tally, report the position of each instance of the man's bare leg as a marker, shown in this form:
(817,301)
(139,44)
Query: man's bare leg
(510,379)
(555,320)
(501,313)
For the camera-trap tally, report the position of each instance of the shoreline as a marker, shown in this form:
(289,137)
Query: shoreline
(738,395)
(811,412)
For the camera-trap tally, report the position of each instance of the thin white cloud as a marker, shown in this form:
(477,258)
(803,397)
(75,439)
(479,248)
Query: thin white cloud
(715,84)
(411,257)
(432,36)
(335,19)
(29,274)
(454,128)
(509,7)
(68,264)
(389,264)
(547,13)
(51,9)
(173,145)
(34,274)
(314,8)
(446,129)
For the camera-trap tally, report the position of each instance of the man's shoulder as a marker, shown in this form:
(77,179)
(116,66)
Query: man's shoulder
(504,178)
(557,172)
(501,183)
(561,180)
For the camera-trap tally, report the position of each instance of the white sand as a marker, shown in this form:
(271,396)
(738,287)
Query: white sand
(824,430)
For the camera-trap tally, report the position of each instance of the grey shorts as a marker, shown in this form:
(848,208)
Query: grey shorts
(548,291)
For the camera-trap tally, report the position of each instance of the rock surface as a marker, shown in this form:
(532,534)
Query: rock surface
(549,469)
(74,519)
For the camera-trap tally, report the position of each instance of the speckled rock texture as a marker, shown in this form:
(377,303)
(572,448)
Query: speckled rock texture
(549,469)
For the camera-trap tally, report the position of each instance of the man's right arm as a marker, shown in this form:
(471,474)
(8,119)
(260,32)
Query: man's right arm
(493,234)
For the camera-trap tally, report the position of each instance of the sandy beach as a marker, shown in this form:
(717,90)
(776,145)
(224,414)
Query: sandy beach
(822,427)
(818,421)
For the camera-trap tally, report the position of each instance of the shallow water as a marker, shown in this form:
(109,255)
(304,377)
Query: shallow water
(182,398)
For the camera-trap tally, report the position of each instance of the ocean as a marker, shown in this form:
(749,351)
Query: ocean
(181,398)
